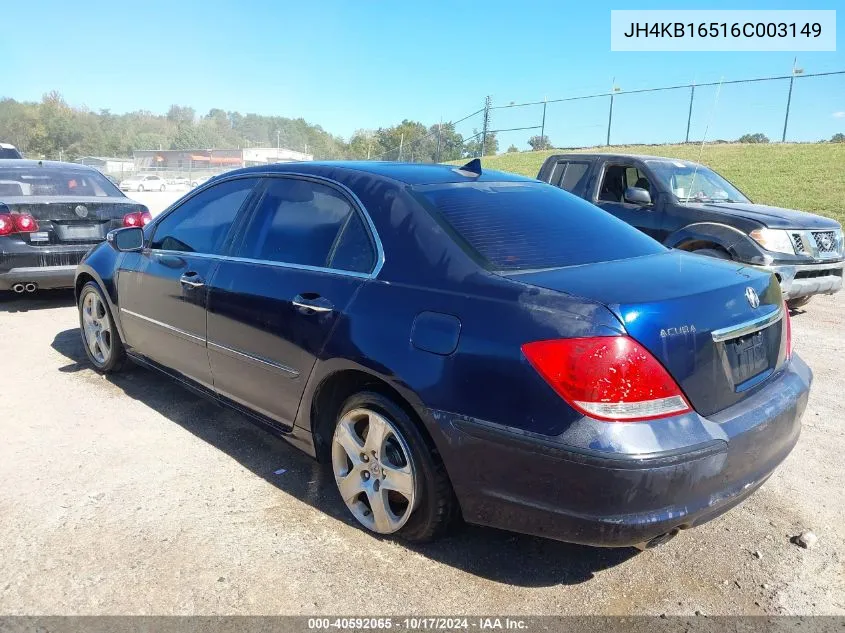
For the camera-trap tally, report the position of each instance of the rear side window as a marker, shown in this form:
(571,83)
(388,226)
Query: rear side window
(201,223)
(568,175)
(308,224)
(526,226)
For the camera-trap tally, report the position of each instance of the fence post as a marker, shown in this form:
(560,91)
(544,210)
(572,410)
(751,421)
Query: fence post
(788,102)
(689,116)
(486,124)
(439,134)
(543,124)
(609,119)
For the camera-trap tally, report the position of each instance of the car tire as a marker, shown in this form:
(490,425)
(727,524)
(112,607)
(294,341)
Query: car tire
(100,337)
(140,188)
(396,485)
(799,302)
(713,252)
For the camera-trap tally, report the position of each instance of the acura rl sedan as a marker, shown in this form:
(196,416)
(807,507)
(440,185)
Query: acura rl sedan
(459,343)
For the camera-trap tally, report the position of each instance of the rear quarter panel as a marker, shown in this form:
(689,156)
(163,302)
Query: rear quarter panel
(486,377)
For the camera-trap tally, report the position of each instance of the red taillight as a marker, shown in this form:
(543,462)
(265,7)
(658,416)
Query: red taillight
(25,223)
(7,224)
(788,321)
(138,218)
(607,377)
(17,223)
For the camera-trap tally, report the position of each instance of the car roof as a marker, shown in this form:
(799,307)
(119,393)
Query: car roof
(408,173)
(615,156)
(44,164)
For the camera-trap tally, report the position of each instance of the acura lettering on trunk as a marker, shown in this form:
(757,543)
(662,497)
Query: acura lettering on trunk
(453,342)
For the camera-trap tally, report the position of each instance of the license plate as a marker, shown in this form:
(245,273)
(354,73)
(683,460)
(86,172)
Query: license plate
(748,356)
(39,236)
(85,232)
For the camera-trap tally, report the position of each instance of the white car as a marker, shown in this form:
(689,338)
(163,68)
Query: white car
(143,182)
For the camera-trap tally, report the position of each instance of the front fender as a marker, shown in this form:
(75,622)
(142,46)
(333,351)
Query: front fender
(738,244)
(101,263)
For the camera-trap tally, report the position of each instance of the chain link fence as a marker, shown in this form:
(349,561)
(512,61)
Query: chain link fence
(671,114)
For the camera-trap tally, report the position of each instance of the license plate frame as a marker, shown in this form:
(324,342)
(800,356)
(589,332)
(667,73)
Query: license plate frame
(747,356)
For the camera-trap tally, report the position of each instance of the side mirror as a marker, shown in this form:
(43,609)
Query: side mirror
(636,195)
(126,240)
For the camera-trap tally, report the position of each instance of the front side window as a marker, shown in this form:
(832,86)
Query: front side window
(201,223)
(309,224)
(617,178)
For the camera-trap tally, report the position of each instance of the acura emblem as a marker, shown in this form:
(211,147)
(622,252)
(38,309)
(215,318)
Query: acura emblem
(81,210)
(753,299)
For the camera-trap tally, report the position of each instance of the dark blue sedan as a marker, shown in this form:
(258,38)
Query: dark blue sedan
(458,343)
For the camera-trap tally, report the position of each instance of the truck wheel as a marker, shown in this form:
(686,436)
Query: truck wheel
(712,252)
(799,302)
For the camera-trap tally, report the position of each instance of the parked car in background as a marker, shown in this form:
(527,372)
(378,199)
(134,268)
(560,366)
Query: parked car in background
(688,206)
(8,150)
(51,214)
(457,342)
(143,182)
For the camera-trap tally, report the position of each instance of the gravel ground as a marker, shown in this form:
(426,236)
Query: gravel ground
(130,495)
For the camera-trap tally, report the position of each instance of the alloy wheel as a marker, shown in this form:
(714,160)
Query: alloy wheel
(96,328)
(373,470)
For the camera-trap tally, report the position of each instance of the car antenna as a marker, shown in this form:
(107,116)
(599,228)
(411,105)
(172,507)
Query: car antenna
(704,138)
(472,168)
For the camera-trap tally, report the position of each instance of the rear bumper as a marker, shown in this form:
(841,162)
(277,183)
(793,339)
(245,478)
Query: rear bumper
(45,277)
(47,266)
(807,279)
(581,487)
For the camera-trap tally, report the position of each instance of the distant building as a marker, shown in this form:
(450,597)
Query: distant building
(113,166)
(212,160)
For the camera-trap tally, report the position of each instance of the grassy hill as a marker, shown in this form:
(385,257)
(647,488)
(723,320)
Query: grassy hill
(805,176)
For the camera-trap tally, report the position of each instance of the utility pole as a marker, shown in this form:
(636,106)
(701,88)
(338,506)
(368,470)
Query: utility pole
(439,133)
(543,125)
(613,90)
(689,116)
(488,102)
(278,144)
(401,141)
(795,71)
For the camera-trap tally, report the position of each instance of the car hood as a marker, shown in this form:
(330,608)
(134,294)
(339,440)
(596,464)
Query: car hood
(771,217)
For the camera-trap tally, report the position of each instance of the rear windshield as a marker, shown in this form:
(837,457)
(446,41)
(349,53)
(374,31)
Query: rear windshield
(528,226)
(9,152)
(48,181)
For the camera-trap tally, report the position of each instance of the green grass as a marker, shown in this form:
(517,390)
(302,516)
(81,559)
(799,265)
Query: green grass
(804,176)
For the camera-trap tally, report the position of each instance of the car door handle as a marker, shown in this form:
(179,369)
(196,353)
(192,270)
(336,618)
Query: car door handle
(191,279)
(312,302)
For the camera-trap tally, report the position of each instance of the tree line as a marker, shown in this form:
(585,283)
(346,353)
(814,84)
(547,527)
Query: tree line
(53,129)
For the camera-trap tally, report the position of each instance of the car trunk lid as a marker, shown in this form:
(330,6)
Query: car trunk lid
(84,220)
(716,326)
